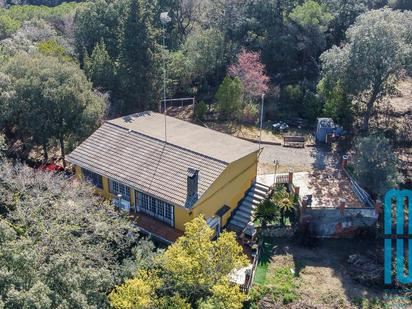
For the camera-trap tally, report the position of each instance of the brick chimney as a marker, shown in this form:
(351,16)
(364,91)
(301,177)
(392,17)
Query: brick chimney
(192,184)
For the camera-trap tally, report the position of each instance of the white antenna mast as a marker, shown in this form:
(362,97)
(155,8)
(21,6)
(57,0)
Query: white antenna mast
(164,19)
(261,120)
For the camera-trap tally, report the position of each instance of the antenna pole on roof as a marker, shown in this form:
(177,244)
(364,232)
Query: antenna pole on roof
(261,121)
(164,18)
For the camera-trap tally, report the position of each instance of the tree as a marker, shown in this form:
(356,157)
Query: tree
(185,13)
(292,96)
(251,72)
(137,69)
(345,14)
(337,104)
(376,165)
(369,65)
(230,97)
(61,246)
(313,21)
(194,271)
(100,68)
(266,212)
(99,21)
(48,99)
(312,14)
(400,4)
(3,146)
(312,106)
(204,53)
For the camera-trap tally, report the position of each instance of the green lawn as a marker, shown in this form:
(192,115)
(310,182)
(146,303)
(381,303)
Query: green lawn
(277,275)
(264,261)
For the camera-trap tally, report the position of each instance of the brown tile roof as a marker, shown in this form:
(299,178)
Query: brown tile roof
(211,143)
(145,163)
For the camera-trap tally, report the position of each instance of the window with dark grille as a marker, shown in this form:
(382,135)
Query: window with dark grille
(155,208)
(93,178)
(161,208)
(119,188)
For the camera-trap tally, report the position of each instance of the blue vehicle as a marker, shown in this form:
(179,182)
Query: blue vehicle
(327,131)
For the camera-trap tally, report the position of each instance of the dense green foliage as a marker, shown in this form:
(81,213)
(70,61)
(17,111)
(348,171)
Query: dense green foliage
(191,273)
(61,247)
(43,98)
(119,46)
(229,98)
(376,166)
(266,213)
(285,202)
(371,62)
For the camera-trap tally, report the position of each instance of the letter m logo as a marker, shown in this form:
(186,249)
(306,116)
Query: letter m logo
(398,197)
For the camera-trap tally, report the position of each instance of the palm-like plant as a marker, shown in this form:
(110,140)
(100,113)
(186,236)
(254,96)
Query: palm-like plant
(266,212)
(284,201)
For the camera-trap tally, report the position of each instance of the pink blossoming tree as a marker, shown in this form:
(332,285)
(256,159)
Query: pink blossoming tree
(251,72)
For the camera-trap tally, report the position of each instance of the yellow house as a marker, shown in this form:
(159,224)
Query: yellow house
(167,171)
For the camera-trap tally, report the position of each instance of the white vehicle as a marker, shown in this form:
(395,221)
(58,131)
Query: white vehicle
(280,126)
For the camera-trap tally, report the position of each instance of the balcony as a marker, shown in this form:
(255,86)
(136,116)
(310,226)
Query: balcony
(156,228)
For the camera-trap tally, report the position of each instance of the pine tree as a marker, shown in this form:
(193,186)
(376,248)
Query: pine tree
(100,68)
(136,61)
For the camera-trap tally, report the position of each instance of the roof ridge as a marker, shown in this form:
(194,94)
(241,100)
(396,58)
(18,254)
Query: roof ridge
(171,144)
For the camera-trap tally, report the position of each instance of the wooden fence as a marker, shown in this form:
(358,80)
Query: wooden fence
(250,277)
(281,178)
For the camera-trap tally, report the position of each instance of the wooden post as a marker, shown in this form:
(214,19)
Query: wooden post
(342,205)
(344,161)
(378,207)
(290,177)
(297,191)
(303,207)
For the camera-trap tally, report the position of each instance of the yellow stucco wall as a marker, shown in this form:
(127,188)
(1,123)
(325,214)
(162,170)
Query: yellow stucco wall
(182,216)
(227,190)
(105,192)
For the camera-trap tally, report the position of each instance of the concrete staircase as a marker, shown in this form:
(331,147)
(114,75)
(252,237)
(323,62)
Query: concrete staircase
(243,215)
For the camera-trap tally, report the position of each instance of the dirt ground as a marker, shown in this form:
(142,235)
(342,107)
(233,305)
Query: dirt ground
(295,159)
(403,101)
(321,274)
(253,132)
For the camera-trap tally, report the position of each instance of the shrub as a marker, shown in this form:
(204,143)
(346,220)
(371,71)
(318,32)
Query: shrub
(229,97)
(250,113)
(200,110)
(8,26)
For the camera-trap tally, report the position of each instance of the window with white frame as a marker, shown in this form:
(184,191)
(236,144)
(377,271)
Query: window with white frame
(118,188)
(155,208)
(93,178)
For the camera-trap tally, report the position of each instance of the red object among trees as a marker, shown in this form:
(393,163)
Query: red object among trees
(51,167)
(251,72)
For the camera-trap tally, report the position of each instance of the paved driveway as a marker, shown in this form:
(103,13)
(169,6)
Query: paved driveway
(297,159)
